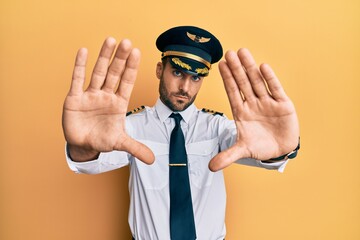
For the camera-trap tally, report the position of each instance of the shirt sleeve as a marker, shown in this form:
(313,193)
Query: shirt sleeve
(104,163)
(228,134)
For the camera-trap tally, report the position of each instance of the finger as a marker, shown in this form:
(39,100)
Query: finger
(239,74)
(231,88)
(102,63)
(117,65)
(129,76)
(78,77)
(226,158)
(273,83)
(138,150)
(256,80)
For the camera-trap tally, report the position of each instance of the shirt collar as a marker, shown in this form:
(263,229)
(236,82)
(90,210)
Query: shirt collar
(164,112)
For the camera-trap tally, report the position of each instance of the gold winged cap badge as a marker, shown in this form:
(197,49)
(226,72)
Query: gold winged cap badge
(197,39)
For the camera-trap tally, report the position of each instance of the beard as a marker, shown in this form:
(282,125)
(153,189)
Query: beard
(175,105)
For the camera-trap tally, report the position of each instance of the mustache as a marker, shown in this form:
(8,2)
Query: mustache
(182,94)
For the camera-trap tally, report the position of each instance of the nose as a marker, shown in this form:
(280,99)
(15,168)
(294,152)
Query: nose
(185,83)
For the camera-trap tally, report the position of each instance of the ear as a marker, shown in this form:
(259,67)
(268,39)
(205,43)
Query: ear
(159,69)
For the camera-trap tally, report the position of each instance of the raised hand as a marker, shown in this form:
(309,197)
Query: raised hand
(94,119)
(266,120)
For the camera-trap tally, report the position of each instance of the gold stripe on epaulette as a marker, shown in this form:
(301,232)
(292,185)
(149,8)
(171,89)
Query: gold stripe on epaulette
(212,112)
(136,110)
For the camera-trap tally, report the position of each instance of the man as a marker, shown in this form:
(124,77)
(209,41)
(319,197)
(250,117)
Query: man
(175,151)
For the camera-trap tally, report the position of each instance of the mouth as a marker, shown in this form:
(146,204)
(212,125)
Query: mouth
(181,97)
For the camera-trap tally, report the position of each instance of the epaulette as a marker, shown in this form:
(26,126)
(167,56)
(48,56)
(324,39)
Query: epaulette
(136,110)
(212,112)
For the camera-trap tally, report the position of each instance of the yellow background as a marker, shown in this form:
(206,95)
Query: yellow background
(313,45)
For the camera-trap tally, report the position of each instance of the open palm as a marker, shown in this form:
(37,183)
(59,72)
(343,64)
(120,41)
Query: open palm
(94,119)
(265,118)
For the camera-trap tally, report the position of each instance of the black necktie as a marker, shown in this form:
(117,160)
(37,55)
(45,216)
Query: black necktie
(182,225)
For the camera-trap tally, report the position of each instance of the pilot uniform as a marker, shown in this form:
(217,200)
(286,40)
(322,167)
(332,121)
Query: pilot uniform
(206,133)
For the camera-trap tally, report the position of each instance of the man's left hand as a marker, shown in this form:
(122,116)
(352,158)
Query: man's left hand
(265,118)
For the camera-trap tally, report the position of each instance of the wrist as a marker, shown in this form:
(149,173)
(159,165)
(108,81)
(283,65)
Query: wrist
(81,154)
(289,155)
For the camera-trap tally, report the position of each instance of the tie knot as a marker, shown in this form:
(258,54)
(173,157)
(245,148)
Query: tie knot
(177,117)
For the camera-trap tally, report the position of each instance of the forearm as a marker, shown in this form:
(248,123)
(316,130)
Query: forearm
(104,162)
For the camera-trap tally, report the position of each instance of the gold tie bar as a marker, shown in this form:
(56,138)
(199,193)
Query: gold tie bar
(177,164)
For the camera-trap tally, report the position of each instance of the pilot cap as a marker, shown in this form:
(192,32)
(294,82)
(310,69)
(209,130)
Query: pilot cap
(190,49)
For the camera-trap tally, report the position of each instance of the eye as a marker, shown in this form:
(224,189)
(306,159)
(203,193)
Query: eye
(196,78)
(177,73)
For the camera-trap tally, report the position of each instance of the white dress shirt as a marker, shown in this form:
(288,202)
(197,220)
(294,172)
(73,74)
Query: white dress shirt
(205,135)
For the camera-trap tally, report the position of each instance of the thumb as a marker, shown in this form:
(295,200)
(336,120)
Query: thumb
(138,150)
(226,158)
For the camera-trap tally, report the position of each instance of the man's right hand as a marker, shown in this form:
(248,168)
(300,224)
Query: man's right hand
(94,120)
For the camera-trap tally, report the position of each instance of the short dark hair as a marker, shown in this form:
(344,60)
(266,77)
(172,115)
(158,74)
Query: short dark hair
(165,61)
